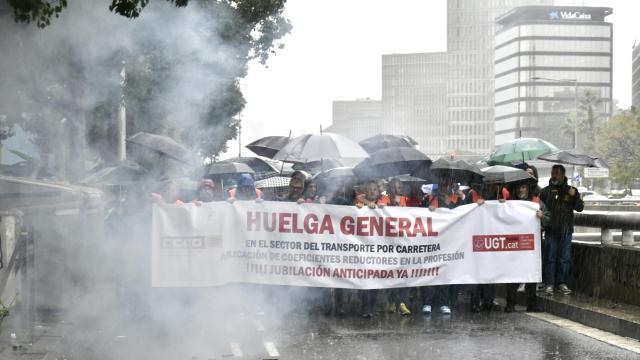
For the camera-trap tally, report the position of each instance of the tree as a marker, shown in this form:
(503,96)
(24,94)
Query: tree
(588,121)
(619,144)
(188,91)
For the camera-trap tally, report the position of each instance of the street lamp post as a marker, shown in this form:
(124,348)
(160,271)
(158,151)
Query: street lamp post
(575,104)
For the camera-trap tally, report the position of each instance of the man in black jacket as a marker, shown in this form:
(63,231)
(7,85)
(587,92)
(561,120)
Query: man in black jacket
(561,200)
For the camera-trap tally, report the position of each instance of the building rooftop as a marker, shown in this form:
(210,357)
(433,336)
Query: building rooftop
(555,14)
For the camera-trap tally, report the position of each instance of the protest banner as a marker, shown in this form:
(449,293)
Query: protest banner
(343,246)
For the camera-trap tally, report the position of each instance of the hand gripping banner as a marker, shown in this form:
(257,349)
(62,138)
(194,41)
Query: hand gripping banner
(343,246)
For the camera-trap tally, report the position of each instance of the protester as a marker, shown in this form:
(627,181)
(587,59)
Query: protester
(483,295)
(523,192)
(371,198)
(338,192)
(416,196)
(446,196)
(562,200)
(310,193)
(296,187)
(208,191)
(245,190)
(398,296)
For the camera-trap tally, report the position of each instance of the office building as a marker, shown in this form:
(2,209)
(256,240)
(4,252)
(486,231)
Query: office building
(414,98)
(470,34)
(357,119)
(547,59)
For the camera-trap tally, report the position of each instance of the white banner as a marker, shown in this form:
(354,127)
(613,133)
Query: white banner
(343,246)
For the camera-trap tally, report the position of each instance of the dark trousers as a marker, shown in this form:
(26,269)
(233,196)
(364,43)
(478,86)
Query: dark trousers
(483,294)
(557,252)
(530,291)
(333,299)
(439,294)
(368,299)
(399,295)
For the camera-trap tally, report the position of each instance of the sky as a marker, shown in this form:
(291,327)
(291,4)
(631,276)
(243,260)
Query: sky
(334,53)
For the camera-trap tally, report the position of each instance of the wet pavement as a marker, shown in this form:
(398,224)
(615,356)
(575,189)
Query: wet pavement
(217,328)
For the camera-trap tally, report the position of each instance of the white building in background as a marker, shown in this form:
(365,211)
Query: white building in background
(414,98)
(357,119)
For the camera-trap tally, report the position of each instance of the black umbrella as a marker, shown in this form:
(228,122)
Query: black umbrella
(574,157)
(263,168)
(499,174)
(407,179)
(165,146)
(268,146)
(385,141)
(119,173)
(391,162)
(226,168)
(334,174)
(316,167)
(457,170)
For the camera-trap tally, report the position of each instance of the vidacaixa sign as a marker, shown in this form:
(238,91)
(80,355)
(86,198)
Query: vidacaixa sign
(568,15)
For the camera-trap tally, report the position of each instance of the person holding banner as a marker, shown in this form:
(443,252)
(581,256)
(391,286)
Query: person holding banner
(371,198)
(337,192)
(245,190)
(523,193)
(446,196)
(483,295)
(398,296)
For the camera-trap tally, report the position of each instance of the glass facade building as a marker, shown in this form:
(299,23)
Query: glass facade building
(471,25)
(414,100)
(547,59)
(357,119)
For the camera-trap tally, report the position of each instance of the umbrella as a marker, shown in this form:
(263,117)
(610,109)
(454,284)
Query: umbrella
(263,168)
(406,178)
(385,141)
(268,146)
(499,174)
(315,167)
(521,149)
(119,173)
(274,187)
(314,147)
(165,146)
(226,168)
(391,162)
(574,157)
(334,174)
(458,170)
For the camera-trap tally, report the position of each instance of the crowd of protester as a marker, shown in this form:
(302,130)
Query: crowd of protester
(557,203)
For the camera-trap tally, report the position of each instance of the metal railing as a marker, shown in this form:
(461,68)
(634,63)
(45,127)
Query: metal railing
(608,222)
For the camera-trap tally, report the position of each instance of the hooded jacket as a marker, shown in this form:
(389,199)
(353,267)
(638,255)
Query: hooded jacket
(561,206)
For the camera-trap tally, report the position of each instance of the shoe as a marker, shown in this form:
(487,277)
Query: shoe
(564,289)
(510,308)
(426,309)
(392,308)
(476,308)
(366,315)
(549,290)
(340,311)
(445,310)
(540,287)
(521,288)
(404,310)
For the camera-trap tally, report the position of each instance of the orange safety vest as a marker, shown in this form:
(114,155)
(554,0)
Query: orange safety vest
(433,200)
